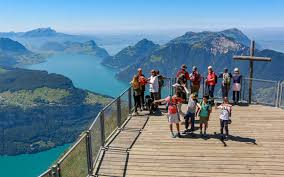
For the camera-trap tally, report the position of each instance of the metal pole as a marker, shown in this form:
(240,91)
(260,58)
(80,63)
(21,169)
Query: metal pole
(54,171)
(251,70)
(89,152)
(102,128)
(129,100)
(118,103)
(277,102)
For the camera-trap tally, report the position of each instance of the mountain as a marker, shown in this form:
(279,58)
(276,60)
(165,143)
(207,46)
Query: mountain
(35,38)
(39,111)
(9,46)
(42,32)
(131,54)
(89,48)
(12,53)
(203,49)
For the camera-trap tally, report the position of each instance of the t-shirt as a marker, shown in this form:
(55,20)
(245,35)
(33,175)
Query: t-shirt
(205,108)
(191,106)
(154,84)
(237,78)
(172,104)
(210,76)
(225,111)
(195,77)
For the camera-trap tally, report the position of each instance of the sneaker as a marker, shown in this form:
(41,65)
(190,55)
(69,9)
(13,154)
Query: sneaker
(201,133)
(172,135)
(178,135)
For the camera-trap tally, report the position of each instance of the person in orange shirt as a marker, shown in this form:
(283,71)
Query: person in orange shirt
(211,81)
(143,82)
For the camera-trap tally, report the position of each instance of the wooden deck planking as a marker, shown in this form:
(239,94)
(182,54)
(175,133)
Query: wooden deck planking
(256,147)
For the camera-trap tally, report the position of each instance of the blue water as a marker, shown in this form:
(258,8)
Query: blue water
(29,165)
(86,72)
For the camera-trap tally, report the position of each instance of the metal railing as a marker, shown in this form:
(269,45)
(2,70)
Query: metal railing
(281,95)
(81,158)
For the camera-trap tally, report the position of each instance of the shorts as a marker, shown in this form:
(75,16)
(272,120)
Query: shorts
(173,118)
(203,120)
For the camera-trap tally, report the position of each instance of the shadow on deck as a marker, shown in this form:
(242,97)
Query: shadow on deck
(144,147)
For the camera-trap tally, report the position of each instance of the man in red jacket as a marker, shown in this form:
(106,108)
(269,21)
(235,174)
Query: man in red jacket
(211,81)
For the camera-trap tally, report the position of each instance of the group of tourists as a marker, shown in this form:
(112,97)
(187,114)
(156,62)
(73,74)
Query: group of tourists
(186,91)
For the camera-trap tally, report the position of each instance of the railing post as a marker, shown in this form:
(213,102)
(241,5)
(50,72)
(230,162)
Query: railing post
(277,94)
(89,152)
(280,93)
(118,102)
(55,171)
(244,89)
(203,89)
(102,128)
(129,100)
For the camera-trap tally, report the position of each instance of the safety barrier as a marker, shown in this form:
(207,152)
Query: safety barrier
(81,158)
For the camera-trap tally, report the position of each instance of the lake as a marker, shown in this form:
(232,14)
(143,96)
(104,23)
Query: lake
(86,72)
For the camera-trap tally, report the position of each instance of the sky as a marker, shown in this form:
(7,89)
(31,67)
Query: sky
(93,16)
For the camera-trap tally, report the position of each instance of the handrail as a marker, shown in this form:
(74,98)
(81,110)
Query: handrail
(72,148)
(100,121)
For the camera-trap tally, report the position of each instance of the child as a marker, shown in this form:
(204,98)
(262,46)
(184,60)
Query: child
(173,114)
(226,110)
(190,114)
(191,111)
(204,109)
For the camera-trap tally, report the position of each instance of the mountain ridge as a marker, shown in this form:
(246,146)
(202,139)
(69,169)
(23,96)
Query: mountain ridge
(202,49)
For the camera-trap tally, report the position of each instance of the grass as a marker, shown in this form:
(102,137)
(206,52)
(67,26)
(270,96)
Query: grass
(155,58)
(31,98)
(96,99)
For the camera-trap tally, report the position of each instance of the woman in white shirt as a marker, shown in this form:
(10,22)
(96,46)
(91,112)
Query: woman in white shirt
(154,86)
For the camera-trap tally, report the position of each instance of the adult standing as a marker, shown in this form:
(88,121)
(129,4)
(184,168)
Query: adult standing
(182,78)
(211,81)
(226,82)
(183,75)
(136,93)
(195,79)
(161,83)
(154,86)
(237,78)
(143,82)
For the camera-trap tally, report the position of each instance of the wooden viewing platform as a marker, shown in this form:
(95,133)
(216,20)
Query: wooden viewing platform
(144,147)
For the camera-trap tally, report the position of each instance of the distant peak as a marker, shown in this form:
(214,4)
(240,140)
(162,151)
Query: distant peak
(144,42)
(232,30)
(91,42)
(40,32)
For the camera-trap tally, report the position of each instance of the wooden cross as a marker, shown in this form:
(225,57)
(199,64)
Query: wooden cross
(251,58)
